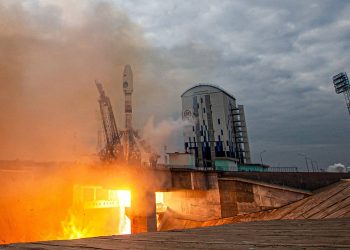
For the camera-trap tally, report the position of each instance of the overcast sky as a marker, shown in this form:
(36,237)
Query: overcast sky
(276,57)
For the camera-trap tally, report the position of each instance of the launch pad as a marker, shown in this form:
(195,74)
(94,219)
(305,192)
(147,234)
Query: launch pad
(122,145)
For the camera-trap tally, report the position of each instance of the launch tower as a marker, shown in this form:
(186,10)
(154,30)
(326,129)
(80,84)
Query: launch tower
(122,145)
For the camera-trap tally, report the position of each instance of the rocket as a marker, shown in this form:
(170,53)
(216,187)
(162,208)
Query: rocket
(128,89)
(130,137)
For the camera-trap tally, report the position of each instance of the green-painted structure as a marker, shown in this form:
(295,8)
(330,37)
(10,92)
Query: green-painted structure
(252,168)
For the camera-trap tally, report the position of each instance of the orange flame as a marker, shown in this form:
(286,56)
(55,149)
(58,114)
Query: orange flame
(77,225)
(73,229)
(42,204)
(124,198)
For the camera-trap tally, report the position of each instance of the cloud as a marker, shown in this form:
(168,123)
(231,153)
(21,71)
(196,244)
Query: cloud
(276,57)
(337,167)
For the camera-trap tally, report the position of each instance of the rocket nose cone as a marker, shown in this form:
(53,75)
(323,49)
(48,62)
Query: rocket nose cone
(127,70)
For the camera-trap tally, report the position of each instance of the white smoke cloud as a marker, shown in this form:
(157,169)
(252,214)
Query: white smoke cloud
(337,168)
(165,133)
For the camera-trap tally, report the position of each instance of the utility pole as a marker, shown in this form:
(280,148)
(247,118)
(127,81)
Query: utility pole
(261,159)
(307,165)
(312,165)
(316,166)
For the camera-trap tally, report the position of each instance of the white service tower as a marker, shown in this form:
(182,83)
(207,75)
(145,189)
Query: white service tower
(128,88)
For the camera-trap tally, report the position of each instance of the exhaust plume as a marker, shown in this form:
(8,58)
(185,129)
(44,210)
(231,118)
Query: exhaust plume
(51,53)
(165,133)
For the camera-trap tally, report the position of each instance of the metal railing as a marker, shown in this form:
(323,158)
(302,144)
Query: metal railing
(190,167)
(282,169)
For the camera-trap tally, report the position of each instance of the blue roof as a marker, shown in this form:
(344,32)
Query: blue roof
(208,85)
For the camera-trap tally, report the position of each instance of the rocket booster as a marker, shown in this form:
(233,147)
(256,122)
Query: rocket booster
(127,80)
(128,89)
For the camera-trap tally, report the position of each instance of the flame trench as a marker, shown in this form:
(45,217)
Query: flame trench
(37,206)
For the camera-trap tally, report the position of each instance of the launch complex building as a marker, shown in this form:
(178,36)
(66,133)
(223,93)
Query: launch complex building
(215,134)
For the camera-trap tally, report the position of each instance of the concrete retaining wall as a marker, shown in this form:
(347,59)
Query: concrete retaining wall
(194,204)
(240,197)
(300,180)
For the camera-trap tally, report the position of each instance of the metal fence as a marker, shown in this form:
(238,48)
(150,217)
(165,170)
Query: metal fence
(270,169)
(282,169)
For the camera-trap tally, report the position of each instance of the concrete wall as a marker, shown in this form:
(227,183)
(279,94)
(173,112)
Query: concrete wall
(228,199)
(194,204)
(300,180)
(204,197)
(193,180)
(240,197)
(194,195)
(181,159)
(267,197)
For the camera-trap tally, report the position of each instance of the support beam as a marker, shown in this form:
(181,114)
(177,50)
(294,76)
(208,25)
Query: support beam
(143,212)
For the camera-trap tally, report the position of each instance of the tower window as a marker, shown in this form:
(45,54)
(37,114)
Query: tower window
(201,100)
(222,132)
(219,121)
(193,128)
(219,138)
(203,122)
(203,110)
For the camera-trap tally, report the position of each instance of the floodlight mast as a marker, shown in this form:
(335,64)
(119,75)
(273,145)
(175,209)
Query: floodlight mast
(342,85)
(347,99)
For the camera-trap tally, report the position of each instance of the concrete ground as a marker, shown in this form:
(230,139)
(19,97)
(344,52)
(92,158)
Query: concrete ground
(277,234)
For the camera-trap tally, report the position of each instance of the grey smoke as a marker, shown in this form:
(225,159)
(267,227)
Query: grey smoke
(276,57)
